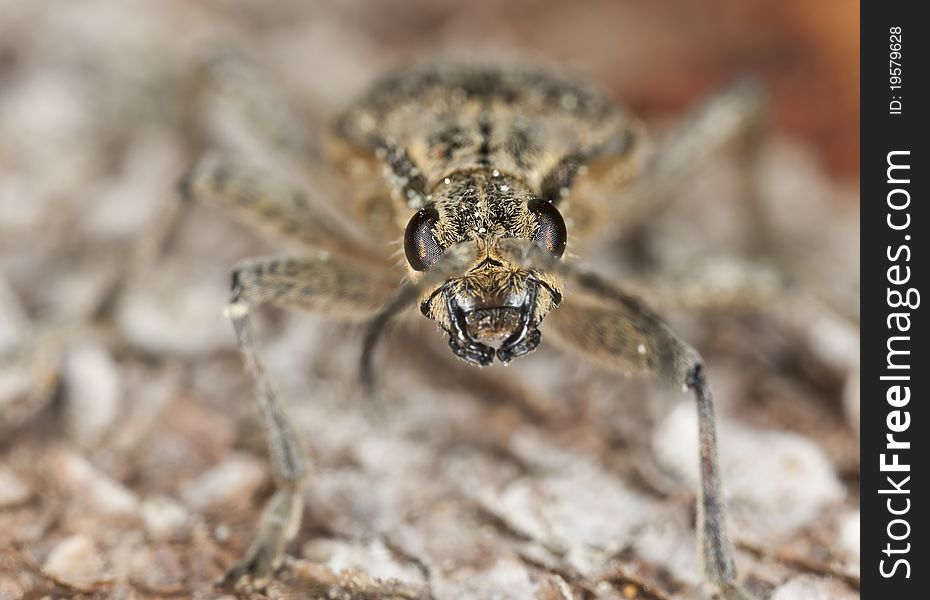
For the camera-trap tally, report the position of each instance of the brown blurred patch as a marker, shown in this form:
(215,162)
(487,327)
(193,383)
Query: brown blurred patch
(661,57)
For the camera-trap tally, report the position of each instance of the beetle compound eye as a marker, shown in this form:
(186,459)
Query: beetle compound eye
(421,247)
(550,230)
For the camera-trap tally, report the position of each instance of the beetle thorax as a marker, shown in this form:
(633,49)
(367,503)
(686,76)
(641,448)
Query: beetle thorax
(482,205)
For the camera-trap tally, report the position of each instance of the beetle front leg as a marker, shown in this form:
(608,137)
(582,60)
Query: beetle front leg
(280,520)
(716,550)
(618,331)
(322,283)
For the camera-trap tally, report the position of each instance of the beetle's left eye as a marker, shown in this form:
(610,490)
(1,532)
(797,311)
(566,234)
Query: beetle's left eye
(420,246)
(550,230)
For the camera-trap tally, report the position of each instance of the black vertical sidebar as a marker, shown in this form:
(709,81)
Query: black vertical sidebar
(895,427)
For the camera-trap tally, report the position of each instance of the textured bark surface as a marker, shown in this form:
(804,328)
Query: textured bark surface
(144,472)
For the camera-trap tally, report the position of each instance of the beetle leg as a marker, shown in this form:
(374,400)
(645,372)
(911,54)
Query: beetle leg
(625,335)
(271,204)
(608,326)
(733,119)
(715,285)
(321,283)
(256,98)
(335,283)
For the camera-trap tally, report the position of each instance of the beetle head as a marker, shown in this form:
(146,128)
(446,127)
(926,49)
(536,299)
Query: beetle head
(493,307)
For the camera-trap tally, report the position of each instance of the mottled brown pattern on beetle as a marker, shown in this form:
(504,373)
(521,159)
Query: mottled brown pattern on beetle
(480,145)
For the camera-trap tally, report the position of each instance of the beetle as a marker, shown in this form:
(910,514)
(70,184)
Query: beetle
(492,177)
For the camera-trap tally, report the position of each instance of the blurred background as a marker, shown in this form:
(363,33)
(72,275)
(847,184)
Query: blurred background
(131,461)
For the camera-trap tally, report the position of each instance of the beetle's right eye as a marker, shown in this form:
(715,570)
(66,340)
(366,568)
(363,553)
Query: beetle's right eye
(421,247)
